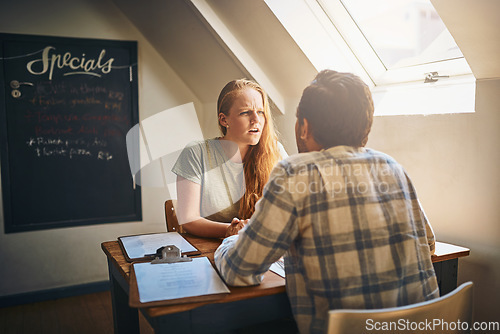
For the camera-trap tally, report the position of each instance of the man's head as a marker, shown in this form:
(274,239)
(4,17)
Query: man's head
(335,109)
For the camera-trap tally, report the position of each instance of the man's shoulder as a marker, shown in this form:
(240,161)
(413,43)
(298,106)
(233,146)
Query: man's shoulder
(355,154)
(370,153)
(301,159)
(338,154)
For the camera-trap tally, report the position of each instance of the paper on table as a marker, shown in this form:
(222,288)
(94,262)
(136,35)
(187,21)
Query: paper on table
(137,246)
(166,281)
(278,267)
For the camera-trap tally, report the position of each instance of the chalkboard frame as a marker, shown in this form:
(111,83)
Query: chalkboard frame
(10,226)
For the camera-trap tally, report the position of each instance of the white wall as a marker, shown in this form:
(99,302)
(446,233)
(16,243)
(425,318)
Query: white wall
(71,256)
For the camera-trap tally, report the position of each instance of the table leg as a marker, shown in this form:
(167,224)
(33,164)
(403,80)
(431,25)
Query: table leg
(125,318)
(446,273)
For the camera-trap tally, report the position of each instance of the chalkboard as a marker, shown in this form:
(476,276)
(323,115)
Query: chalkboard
(66,105)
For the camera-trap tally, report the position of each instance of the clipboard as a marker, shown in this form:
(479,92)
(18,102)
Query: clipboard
(182,294)
(142,247)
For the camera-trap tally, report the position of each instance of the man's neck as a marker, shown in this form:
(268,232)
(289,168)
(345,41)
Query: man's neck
(313,146)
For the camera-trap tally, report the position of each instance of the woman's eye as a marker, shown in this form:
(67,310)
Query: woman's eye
(248,112)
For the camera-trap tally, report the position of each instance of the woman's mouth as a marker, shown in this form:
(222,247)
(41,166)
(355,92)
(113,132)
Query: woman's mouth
(254,130)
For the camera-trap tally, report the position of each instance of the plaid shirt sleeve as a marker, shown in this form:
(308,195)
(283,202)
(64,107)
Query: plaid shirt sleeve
(431,238)
(419,212)
(243,259)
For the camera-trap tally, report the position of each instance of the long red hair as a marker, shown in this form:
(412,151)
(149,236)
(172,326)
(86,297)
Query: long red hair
(259,159)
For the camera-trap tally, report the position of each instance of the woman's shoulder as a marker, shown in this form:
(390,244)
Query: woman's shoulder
(197,142)
(200,145)
(194,153)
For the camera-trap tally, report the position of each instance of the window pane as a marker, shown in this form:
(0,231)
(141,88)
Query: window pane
(403,32)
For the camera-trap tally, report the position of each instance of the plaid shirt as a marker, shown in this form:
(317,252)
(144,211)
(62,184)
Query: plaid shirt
(352,231)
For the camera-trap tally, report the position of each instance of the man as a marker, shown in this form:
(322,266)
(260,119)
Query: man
(346,218)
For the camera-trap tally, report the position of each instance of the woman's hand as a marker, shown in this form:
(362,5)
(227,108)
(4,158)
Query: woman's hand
(235,226)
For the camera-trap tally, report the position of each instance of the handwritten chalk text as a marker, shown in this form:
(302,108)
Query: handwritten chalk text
(69,64)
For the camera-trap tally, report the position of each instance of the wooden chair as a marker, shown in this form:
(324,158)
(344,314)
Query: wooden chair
(450,308)
(171,217)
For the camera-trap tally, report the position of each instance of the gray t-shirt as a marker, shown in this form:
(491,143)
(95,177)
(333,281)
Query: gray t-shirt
(222,180)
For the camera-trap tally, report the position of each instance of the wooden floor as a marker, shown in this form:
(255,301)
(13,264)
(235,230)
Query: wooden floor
(87,314)
(90,314)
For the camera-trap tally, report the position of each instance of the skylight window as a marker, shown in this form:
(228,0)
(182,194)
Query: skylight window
(403,32)
(394,40)
(401,48)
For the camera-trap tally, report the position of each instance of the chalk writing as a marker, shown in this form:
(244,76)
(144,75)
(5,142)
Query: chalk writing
(39,130)
(104,156)
(87,100)
(42,117)
(47,152)
(72,64)
(81,147)
(46,141)
(46,101)
(72,120)
(89,130)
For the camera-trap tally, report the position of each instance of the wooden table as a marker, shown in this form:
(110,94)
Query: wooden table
(244,306)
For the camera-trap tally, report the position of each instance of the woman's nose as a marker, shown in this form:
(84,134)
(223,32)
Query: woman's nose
(254,117)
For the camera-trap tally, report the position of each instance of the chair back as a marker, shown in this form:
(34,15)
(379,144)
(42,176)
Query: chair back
(451,313)
(171,217)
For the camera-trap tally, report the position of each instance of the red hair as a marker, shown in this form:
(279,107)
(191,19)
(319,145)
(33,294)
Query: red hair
(259,159)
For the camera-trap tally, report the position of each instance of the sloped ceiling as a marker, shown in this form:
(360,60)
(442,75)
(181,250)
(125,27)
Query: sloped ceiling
(183,32)
(475,26)
(263,36)
(185,43)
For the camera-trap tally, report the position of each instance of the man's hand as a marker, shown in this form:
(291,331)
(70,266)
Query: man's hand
(235,226)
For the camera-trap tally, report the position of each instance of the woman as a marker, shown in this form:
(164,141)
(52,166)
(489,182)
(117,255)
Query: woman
(219,180)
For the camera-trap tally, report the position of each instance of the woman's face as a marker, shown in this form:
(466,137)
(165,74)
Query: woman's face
(246,118)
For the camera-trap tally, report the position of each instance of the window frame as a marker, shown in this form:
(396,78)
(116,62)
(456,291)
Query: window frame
(337,43)
(341,20)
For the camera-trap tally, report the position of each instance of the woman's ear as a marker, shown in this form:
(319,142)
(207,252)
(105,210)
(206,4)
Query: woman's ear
(222,120)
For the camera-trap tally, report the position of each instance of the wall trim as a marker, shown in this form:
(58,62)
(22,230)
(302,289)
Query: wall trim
(51,294)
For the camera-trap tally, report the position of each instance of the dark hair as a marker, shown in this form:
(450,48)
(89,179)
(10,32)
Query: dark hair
(339,109)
